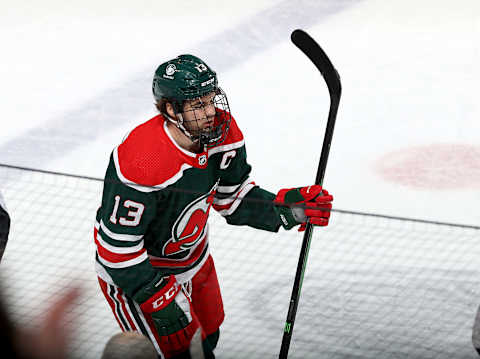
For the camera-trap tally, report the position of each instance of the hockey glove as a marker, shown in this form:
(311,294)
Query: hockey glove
(167,289)
(302,205)
(169,319)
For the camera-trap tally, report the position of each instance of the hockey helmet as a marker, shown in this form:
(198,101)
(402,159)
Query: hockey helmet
(187,77)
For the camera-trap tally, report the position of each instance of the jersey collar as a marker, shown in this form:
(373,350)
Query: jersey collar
(198,160)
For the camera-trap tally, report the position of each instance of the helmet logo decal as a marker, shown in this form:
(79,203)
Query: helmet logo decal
(208,82)
(201,67)
(170,70)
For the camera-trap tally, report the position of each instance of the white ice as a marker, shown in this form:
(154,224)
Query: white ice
(410,78)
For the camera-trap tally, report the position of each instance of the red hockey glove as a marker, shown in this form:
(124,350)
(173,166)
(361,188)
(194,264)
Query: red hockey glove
(163,297)
(302,205)
(167,314)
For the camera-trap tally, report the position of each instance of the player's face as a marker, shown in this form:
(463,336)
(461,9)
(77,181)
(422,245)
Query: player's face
(199,114)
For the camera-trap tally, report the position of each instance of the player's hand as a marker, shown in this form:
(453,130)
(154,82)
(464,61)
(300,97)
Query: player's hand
(167,315)
(303,205)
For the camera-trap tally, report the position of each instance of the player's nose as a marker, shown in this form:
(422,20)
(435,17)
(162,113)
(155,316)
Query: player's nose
(210,110)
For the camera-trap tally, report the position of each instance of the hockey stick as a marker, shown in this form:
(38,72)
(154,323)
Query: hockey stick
(321,61)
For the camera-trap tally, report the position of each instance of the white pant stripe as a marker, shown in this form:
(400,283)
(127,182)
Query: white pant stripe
(149,331)
(112,291)
(130,314)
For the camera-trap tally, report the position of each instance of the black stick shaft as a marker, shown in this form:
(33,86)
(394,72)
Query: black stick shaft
(314,52)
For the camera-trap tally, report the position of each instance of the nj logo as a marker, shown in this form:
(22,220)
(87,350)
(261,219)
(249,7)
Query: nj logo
(189,228)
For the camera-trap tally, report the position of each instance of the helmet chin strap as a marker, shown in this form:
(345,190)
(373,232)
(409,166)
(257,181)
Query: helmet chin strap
(179,123)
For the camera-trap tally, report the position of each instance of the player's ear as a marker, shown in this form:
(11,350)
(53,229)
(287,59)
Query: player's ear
(169,110)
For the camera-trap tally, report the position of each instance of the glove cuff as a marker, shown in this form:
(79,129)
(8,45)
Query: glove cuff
(287,219)
(289,216)
(163,297)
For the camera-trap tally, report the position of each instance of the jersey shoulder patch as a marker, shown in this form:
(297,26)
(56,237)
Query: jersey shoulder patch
(147,158)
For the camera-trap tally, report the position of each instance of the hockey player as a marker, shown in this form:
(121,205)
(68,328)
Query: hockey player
(151,230)
(4,226)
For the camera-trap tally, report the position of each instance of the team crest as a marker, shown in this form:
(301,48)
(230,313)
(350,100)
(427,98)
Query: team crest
(189,228)
(170,70)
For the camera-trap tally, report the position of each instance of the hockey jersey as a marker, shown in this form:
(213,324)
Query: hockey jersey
(156,200)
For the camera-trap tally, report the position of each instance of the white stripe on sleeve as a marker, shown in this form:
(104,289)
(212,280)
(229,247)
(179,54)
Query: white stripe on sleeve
(118,236)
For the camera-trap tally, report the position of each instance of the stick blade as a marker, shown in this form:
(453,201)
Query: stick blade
(320,59)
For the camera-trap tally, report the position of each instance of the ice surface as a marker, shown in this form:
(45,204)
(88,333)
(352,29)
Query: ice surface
(76,78)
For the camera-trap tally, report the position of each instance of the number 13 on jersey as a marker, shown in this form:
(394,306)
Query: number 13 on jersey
(134,214)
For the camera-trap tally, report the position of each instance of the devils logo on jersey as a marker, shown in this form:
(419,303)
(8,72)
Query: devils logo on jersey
(189,228)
